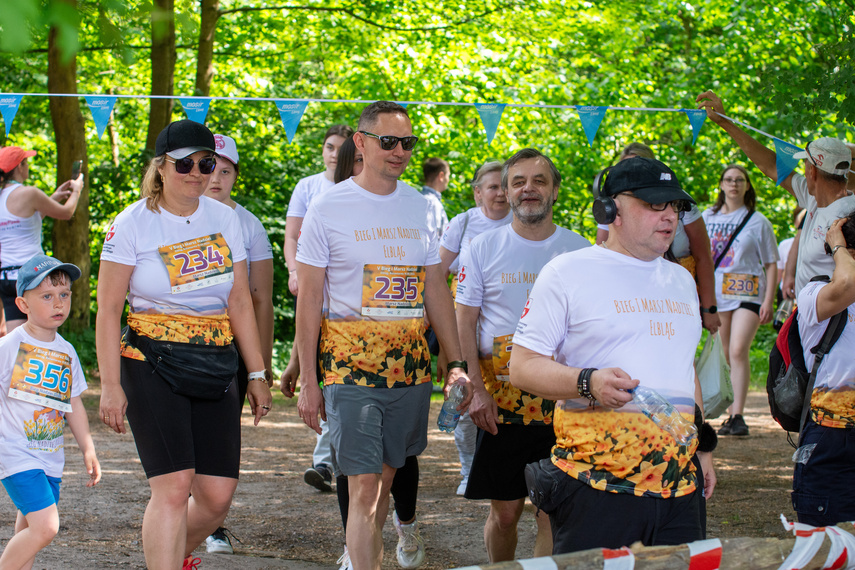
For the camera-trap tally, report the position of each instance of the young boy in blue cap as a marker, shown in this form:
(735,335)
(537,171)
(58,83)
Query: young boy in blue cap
(40,383)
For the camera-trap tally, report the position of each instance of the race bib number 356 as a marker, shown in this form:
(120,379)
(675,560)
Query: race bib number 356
(740,286)
(393,291)
(198,263)
(42,377)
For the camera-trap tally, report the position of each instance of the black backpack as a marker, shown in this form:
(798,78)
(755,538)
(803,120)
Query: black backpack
(788,385)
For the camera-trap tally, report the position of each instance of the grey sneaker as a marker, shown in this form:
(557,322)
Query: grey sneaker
(738,427)
(411,548)
(319,477)
(219,543)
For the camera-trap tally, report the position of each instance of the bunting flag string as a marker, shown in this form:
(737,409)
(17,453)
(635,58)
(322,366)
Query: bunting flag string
(291,113)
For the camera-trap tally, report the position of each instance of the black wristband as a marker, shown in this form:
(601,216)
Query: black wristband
(707,438)
(458,364)
(583,384)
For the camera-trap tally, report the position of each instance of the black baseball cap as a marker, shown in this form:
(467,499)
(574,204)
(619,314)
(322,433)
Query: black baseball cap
(184,134)
(647,179)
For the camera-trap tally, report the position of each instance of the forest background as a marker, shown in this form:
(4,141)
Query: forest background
(782,66)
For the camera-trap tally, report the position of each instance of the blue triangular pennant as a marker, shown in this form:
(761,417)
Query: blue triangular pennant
(9,108)
(101,107)
(491,115)
(404,105)
(696,118)
(784,161)
(196,108)
(291,113)
(591,117)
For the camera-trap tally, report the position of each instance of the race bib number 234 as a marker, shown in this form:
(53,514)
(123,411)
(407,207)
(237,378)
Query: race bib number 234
(197,263)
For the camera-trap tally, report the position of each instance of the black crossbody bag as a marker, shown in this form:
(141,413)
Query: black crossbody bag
(194,370)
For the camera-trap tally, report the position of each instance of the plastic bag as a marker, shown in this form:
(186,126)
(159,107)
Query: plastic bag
(714,375)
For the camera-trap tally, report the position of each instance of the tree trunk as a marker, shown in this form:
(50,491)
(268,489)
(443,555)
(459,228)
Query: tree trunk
(70,238)
(162,68)
(205,57)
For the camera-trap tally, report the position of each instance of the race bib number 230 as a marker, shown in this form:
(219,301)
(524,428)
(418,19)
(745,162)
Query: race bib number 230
(198,263)
(393,291)
(740,286)
(43,377)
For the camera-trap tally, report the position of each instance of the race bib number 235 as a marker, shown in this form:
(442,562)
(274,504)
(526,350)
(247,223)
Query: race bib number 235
(393,291)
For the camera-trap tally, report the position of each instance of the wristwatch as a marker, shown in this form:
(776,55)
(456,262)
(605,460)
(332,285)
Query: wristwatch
(712,310)
(458,364)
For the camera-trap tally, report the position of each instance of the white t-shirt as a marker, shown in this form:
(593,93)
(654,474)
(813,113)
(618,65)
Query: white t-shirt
(306,190)
(375,250)
(255,239)
(740,277)
(833,399)
(437,218)
(477,223)
(812,259)
(596,308)
(35,373)
(20,238)
(179,267)
(496,275)
(784,252)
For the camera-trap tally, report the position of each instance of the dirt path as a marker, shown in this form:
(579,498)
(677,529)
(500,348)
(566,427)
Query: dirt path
(283,523)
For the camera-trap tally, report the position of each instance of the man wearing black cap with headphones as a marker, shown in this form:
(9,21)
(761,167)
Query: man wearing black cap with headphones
(599,322)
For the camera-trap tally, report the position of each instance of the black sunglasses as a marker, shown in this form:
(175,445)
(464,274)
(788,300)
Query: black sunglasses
(388,142)
(185,165)
(679,206)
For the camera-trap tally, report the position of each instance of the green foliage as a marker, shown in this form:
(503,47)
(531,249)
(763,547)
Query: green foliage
(783,66)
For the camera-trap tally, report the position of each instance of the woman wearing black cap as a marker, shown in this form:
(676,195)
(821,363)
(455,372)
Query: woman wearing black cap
(180,260)
(21,211)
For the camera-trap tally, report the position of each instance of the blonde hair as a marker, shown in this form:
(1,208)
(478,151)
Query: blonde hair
(486,168)
(637,149)
(151,187)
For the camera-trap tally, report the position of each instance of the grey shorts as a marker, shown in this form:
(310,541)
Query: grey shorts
(373,426)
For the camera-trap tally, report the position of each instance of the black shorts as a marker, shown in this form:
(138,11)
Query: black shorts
(8,292)
(498,469)
(173,433)
(585,517)
(753,307)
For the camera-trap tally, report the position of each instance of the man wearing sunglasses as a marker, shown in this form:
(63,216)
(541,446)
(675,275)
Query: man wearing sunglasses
(369,277)
(822,191)
(599,322)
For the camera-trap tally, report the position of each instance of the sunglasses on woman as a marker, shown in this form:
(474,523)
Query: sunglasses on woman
(388,142)
(185,165)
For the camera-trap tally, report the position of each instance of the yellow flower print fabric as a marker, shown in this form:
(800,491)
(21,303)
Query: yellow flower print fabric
(515,405)
(214,330)
(834,407)
(622,452)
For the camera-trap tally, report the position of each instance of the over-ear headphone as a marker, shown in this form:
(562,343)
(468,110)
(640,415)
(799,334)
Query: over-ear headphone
(604,208)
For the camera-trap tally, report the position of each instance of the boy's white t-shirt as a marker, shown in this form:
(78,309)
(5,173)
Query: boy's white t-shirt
(179,267)
(496,275)
(833,399)
(31,434)
(307,189)
(741,276)
(375,249)
(596,308)
(476,225)
(812,259)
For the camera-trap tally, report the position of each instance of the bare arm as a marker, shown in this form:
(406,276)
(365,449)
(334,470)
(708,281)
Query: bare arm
(705,457)
(245,329)
(113,281)
(699,245)
(767,308)
(788,281)
(440,310)
(309,306)
(762,157)
(840,293)
(483,409)
(29,199)
(261,291)
(540,375)
(293,225)
(79,424)
(446,258)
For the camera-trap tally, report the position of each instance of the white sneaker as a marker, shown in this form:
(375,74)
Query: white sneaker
(344,561)
(410,549)
(461,489)
(219,543)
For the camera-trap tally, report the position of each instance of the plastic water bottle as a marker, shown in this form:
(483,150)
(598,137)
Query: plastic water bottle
(782,314)
(448,415)
(663,414)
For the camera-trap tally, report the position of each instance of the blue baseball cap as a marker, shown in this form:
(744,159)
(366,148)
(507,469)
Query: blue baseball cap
(34,270)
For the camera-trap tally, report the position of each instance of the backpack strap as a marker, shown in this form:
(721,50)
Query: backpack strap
(732,237)
(829,338)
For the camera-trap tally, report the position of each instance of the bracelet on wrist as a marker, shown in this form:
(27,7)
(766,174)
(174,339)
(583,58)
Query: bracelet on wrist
(835,248)
(262,376)
(583,384)
(458,364)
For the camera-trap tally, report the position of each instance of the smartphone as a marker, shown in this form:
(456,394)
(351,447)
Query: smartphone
(75,169)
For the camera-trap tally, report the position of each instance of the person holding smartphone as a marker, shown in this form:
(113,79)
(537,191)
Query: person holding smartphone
(22,209)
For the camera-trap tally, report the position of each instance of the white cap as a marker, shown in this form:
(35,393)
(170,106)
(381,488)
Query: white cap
(828,154)
(226,147)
